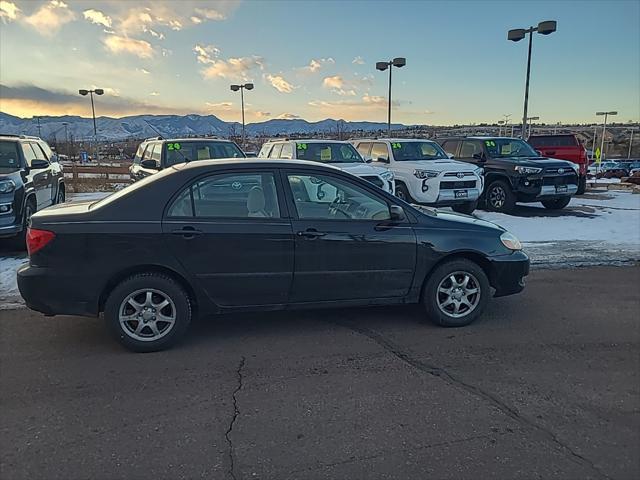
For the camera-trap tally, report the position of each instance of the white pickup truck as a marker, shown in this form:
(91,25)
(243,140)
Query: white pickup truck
(424,174)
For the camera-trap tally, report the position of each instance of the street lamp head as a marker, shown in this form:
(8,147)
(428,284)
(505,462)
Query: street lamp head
(399,62)
(613,113)
(235,88)
(516,35)
(83,92)
(248,86)
(599,113)
(99,91)
(545,28)
(382,66)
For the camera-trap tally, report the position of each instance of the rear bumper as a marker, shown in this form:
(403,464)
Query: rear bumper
(508,272)
(50,294)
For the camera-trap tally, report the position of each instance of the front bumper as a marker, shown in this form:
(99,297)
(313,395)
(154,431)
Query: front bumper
(11,230)
(551,191)
(508,272)
(46,291)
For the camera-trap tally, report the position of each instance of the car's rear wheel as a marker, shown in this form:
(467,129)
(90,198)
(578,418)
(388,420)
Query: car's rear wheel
(148,312)
(456,293)
(402,192)
(557,204)
(60,197)
(466,208)
(499,197)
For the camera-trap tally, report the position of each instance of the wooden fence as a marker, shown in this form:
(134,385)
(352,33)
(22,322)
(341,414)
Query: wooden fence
(101,175)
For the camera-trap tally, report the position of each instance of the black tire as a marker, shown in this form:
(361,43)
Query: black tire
(432,299)
(582,185)
(557,204)
(499,197)
(402,192)
(61,194)
(465,208)
(160,286)
(20,241)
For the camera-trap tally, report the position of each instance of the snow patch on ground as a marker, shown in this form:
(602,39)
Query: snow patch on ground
(9,294)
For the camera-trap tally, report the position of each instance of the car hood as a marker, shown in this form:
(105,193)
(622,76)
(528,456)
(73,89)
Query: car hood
(457,220)
(543,162)
(435,165)
(360,168)
(8,172)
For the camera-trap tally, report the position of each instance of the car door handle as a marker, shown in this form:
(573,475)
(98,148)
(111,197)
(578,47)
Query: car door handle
(187,232)
(311,233)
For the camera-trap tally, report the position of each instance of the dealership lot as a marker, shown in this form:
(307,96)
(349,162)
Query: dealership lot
(544,385)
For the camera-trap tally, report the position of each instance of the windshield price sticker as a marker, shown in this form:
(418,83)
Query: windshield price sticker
(490,143)
(396,145)
(301,146)
(173,146)
(325,154)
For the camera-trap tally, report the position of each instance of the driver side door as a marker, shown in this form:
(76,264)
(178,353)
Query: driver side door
(346,246)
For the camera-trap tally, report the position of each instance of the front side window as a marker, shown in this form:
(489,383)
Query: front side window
(451,146)
(328,152)
(147,152)
(508,147)
(229,195)
(29,154)
(363,149)
(407,151)
(180,152)
(287,151)
(138,155)
(156,153)
(9,157)
(38,151)
(328,198)
(379,151)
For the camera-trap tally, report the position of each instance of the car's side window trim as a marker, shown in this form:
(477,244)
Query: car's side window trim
(280,198)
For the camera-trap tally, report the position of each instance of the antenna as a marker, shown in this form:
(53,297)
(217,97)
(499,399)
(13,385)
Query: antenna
(154,129)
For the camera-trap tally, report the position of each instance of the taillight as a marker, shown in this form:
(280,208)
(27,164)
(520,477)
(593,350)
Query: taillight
(37,239)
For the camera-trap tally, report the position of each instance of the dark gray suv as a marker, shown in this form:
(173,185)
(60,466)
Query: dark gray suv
(31,179)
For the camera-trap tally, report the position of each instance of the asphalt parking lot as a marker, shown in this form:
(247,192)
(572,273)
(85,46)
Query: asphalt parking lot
(544,386)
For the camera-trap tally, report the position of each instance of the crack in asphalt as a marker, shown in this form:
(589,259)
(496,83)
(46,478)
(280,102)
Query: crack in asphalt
(236,412)
(448,377)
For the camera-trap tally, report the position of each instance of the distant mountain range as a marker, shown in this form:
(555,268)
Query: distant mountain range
(144,126)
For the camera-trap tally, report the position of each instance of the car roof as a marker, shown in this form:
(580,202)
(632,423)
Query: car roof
(307,140)
(15,137)
(254,162)
(393,140)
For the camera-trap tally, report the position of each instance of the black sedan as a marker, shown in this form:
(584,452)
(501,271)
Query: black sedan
(214,236)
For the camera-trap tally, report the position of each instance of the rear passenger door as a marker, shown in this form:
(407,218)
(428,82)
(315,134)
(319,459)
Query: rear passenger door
(38,177)
(230,231)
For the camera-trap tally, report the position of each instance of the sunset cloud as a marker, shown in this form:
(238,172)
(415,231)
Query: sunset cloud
(97,17)
(338,85)
(9,11)
(139,48)
(279,83)
(50,17)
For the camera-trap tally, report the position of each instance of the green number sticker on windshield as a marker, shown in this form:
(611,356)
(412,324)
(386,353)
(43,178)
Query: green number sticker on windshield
(173,146)
(396,145)
(490,143)
(301,146)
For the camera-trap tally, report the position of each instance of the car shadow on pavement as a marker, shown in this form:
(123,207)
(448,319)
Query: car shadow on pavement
(578,211)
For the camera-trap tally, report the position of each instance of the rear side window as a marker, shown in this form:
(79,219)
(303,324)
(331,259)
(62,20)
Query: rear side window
(451,146)
(229,195)
(29,154)
(9,157)
(275,151)
(553,141)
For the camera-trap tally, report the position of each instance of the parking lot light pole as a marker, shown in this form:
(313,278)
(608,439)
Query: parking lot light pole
(235,88)
(604,130)
(84,93)
(515,35)
(398,62)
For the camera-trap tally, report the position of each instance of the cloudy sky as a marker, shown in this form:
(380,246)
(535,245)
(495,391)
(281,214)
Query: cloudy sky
(317,59)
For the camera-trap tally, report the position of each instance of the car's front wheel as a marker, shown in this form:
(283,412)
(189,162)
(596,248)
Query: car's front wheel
(456,293)
(466,208)
(60,197)
(402,192)
(499,197)
(148,312)
(582,185)
(557,204)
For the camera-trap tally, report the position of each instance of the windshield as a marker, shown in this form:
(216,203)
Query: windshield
(405,151)
(509,147)
(186,151)
(9,155)
(328,152)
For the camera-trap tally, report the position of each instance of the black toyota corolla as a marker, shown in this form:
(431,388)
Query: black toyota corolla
(214,236)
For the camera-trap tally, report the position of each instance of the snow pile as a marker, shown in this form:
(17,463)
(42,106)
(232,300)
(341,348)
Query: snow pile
(9,294)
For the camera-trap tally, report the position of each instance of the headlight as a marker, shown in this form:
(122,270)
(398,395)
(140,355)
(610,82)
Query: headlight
(388,175)
(479,171)
(510,241)
(528,170)
(7,186)
(425,174)
(575,167)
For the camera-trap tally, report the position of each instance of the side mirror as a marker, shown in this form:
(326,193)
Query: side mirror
(450,155)
(539,152)
(37,164)
(383,159)
(397,213)
(152,164)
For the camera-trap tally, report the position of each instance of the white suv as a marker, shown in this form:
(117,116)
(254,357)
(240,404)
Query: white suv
(333,152)
(425,174)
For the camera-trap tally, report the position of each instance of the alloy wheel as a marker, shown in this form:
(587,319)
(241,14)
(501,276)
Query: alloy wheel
(458,294)
(147,314)
(497,197)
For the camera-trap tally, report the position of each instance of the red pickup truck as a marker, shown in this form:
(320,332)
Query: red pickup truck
(564,147)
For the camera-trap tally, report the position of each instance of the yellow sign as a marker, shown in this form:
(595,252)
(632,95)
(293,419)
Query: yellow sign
(598,155)
(325,154)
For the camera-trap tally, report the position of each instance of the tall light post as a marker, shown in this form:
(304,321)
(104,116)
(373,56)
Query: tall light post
(66,137)
(235,88)
(543,28)
(630,144)
(530,121)
(604,130)
(398,62)
(97,91)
